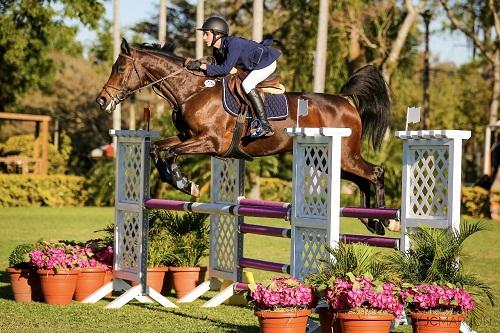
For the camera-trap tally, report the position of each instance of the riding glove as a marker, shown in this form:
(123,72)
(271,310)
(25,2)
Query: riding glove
(194,65)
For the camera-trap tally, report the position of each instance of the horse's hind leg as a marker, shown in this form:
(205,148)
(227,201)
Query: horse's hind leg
(364,174)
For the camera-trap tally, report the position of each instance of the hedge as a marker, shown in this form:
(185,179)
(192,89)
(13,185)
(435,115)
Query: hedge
(38,191)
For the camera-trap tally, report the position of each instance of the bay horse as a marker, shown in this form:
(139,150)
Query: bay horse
(204,127)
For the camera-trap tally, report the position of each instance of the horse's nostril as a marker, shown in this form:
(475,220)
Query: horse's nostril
(101,100)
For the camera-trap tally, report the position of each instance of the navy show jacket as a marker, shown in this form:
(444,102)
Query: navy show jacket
(242,53)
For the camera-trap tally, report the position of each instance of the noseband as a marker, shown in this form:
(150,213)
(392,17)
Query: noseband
(123,91)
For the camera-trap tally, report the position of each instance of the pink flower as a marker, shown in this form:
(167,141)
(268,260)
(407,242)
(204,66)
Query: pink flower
(438,297)
(363,292)
(282,293)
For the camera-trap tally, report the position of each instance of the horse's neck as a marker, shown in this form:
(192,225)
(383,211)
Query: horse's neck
(178,87)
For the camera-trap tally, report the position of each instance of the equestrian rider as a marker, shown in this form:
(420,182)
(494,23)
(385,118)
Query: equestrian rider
(230,51)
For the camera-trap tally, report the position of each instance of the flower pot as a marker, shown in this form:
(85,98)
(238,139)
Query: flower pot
(89,280)
(58,287)
(25,285)
(431,323)
(283,321)
(328,320)
(185,279)
(360,323)
(156,277)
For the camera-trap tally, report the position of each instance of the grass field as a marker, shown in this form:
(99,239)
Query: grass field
(20,225)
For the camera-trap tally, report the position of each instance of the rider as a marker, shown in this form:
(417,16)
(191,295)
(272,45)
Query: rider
(230,51)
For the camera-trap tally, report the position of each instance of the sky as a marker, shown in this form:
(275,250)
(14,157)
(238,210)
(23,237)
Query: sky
(443,46)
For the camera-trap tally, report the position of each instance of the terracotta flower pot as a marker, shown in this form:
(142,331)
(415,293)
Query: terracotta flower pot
(328,320)
(432,323)
(25,285)
(283,322)
(58,288)
(156,277)
(185,279)
(89,280)
(359,323)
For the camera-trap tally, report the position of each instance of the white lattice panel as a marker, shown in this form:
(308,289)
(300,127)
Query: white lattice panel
(223,252)
(128,254)
(313,175)
(316,195)
(226,242)
(311,250)
(226,180)
(131,172)
(429,181)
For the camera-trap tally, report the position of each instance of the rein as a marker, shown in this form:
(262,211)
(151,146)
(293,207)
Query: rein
(123,92)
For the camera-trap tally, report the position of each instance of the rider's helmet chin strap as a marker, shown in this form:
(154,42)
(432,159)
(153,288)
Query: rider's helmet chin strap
(215,37)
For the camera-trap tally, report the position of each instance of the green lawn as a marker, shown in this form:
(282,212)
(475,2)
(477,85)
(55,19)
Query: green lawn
(31,224)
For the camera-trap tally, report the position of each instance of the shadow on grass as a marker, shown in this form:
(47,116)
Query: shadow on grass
(5,290)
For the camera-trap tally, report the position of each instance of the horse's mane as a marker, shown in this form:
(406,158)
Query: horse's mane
(167,49)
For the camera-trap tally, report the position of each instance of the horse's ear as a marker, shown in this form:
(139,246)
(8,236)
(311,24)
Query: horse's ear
(124,47)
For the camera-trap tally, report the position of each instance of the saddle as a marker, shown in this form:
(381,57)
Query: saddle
(271,85)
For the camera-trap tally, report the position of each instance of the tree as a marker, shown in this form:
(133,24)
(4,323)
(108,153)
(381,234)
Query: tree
(31,29)
(480,22)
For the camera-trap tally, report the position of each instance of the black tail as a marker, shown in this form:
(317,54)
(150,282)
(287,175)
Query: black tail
(370,93)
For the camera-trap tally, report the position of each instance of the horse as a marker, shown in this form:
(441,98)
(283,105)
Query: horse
(204,127)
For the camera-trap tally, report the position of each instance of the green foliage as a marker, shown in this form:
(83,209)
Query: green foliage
(188,235)
(350,259)
(436,256)
(37,191)
(275,189)
(19,257)
(100,183)
(31,29)
(475,201)
(24,145)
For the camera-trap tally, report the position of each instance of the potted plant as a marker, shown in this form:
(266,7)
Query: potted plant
(433,271)
(345,260)
(365,304)
(56,263)
(23,279)
(436,308)
(282,305)
(159,260)
(92,269)
(188,235)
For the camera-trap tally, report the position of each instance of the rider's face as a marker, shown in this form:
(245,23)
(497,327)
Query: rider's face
(207,37)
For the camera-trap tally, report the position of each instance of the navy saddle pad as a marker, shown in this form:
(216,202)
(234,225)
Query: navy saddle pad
(276,106)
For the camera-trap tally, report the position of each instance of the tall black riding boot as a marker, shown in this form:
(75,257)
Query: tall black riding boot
(264,128)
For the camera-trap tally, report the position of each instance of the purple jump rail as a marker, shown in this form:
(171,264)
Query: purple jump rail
(219,209)
(392,243)
(264,230)
(358,212)
(375,213)
(264,265)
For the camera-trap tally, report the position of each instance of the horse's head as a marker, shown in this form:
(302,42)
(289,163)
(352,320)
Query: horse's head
(123,80)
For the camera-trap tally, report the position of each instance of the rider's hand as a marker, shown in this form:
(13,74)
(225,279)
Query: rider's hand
(194,65)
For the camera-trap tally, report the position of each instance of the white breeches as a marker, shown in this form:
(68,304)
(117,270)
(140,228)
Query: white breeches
(257,76)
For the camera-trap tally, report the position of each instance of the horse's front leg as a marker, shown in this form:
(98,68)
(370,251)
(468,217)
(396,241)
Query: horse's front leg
(155,153)
(196,145)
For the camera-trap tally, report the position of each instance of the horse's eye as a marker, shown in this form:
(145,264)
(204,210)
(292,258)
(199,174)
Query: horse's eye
(121,69)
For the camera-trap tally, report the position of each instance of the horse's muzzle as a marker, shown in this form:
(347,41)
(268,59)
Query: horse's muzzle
(101,101)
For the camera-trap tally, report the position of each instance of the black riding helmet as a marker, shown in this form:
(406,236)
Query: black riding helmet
(217,25)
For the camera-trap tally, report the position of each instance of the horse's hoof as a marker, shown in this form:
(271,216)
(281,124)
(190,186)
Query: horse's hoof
(195,190)
(394,225)
(376,227)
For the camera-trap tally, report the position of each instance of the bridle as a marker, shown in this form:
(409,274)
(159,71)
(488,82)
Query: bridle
(123,91)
